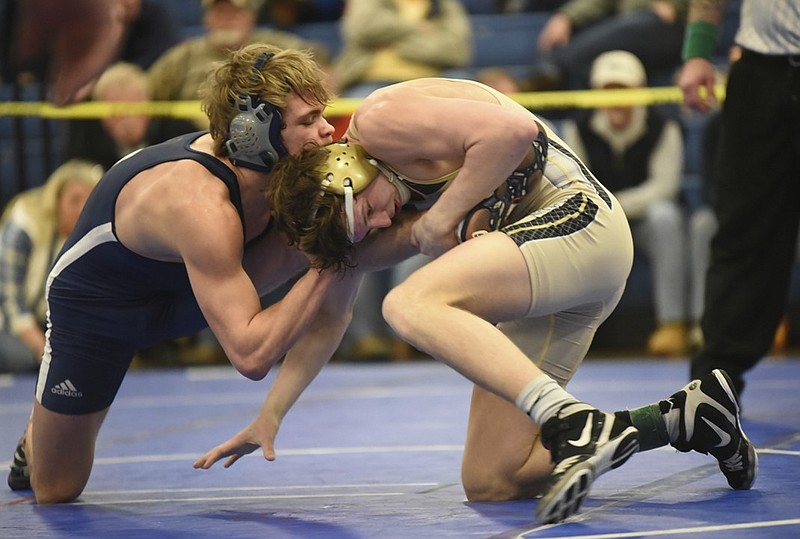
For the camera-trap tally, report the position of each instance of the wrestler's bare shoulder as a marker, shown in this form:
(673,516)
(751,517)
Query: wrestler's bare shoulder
(435,87)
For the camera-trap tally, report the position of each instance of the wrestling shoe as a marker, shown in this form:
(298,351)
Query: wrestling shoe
(709,423)
(584,443)
(19,477)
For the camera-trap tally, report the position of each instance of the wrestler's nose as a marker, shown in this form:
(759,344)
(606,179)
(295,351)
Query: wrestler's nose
(380,219)
(326,131)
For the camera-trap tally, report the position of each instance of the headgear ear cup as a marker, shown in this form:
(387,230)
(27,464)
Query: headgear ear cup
(254,136)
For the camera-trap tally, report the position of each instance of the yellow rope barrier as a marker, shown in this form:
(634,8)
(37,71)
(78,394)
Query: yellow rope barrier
(345,106)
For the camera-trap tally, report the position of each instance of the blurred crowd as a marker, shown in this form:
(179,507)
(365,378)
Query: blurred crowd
(636,151)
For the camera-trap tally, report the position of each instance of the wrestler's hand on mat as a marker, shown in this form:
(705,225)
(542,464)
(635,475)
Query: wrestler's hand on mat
(256,434)
(433,236)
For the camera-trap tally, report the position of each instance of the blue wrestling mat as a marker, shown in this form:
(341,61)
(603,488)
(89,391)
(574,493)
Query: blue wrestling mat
(374,450)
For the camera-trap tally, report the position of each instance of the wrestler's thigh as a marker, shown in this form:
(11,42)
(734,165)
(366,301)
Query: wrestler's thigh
(503,455)
(486,275)
(61,452)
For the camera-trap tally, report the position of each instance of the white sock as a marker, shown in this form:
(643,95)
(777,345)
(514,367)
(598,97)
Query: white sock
(542,398)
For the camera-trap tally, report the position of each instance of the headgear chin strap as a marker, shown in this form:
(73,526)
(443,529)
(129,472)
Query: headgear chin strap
(394,179)
(254,136)
(348,171)
(349,210)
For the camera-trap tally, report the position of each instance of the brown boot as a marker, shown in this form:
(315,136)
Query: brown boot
(668,340)
(370,348)
(695,340)
(780,342)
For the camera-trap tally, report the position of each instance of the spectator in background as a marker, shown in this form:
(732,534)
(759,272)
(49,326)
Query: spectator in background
(230,24)
(582,29)
(34,225)
(106,140)
(638,154)
(388,41)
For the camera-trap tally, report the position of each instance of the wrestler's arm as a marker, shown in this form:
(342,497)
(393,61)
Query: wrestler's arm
(490,141)
(386,247)
(302,364)
(381,249)
(211,248)
(270,261)
(705,16)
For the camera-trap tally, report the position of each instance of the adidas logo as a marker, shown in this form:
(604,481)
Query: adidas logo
(66,389)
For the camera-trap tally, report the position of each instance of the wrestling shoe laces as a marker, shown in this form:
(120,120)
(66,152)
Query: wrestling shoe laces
(19,476)
(584,443)
(709,423)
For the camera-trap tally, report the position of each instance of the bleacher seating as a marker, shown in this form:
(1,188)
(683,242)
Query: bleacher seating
(326,33)
(187,13)
(479,7)
(506,40)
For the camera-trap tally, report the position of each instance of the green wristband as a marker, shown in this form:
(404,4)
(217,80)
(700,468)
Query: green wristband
(700,40)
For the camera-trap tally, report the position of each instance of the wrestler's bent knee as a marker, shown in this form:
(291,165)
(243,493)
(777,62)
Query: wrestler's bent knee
(480,487)
(398,310)
(49,493)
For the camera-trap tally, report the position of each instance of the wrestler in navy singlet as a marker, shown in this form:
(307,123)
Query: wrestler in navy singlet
(105,302)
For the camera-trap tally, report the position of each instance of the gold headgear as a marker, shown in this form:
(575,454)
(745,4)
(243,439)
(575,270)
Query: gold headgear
(348,164)
(349,170)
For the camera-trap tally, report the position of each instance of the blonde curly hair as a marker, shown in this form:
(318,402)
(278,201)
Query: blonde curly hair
(286,71)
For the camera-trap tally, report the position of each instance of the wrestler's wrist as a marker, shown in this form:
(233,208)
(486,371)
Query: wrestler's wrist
(700,40)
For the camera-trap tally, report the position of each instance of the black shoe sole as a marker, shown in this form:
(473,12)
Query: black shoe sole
(18,481)
(565,497)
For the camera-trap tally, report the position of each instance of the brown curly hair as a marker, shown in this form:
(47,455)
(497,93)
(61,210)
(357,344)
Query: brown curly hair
(287,71)
(311,219)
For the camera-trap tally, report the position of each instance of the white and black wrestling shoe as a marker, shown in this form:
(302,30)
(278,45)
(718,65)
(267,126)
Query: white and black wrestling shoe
(584,443)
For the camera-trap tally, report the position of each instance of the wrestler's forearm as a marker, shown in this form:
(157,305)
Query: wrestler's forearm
(386,247)
(313,350)
(710,11)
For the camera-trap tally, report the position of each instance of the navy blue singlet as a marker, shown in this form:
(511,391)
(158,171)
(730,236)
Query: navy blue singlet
(105,302)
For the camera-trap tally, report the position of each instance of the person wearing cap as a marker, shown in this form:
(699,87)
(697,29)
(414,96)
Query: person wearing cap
(177,237)
(179,73)
(531,254)
(638,154)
